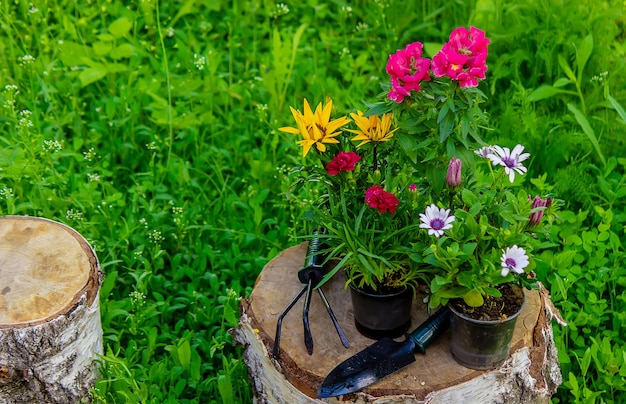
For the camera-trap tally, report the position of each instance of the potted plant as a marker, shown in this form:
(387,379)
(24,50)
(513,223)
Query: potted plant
(410,193)
(485,253)
(367,208)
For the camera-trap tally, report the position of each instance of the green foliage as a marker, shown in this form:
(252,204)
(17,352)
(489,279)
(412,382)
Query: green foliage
(587,281)
(149,127)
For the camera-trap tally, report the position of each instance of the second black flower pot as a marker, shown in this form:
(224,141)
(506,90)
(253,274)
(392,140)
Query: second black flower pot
(478,344)
(382,315)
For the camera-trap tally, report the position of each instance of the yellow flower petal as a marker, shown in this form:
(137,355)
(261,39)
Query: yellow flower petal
(316,128)
(373,128)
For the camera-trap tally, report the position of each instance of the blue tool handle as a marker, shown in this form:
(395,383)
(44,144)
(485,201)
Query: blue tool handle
(430,329)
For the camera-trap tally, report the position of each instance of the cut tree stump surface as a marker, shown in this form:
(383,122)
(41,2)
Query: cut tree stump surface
(50,331)
(435,375)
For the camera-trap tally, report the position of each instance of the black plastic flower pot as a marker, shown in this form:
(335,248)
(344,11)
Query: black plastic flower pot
(382,315)
(479,344)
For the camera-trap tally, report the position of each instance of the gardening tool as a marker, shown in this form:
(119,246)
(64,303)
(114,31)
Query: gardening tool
(311,274)
(382,358)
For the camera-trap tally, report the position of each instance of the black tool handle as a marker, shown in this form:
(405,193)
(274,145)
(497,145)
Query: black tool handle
(313,263)
(430,329)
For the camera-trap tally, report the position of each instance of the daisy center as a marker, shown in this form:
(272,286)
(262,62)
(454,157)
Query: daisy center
(437,224)
(509,161)
(510,263)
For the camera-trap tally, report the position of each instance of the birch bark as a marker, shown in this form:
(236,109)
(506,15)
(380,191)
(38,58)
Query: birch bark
(50,331)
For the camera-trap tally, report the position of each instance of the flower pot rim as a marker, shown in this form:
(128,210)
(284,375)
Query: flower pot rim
(398,293)
(488,322)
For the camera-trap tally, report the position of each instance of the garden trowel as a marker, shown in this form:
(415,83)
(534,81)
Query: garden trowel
(382,358)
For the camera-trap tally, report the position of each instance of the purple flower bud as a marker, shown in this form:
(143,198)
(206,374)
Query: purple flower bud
(453,177)
(535,217)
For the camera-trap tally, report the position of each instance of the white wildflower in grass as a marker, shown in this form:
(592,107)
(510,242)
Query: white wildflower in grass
(26,60)
(199,61)
(170,32)
(53,146)
(155,236)
(514,259)
(74,215)
(93,177)
(347,10)
(11,89)
(361,26)
(281,9)
(436,220)
(6,193)
(90,154)
(510,160)
(137,299)
(177,213)
(151,146)
(23,120)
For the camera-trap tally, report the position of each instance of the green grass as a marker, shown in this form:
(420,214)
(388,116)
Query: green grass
(151,128)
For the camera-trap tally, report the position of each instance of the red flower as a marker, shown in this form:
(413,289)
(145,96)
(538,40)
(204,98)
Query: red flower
(407,68)
(378,198)
(463,57)
(342,162)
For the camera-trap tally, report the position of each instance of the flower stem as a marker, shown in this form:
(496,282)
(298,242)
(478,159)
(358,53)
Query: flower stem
(374,157)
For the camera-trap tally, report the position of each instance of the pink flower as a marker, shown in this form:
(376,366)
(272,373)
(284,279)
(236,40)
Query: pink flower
(453,176)
(342,162)
(535,217)
(463,57)
(407,69)
(378,198)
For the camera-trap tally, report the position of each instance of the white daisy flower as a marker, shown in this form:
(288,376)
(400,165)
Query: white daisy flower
(484,151)
(436,220)
(510,160)
(514,259)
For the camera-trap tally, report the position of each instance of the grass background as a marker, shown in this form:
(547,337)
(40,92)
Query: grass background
(151,128)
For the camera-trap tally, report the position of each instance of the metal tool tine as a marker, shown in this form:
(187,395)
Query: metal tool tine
(276,350)
(342,336)
(308,337)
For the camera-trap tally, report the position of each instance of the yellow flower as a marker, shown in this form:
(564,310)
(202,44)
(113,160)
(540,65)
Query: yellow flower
(373,128)
(315,128)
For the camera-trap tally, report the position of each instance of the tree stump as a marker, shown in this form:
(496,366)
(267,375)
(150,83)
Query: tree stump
(531,374)
(50,330)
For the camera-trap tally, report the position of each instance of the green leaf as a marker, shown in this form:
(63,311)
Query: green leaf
(561,82)
(445,127)
(184,354)
(73,54)
(582,54)
(584,124)
(620,110)
(102,48)
(120,27)
(543,92)
(225,387)
(125,50)
(473,298)
(566,69)
(92,74)
(468,248)
(468,197)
